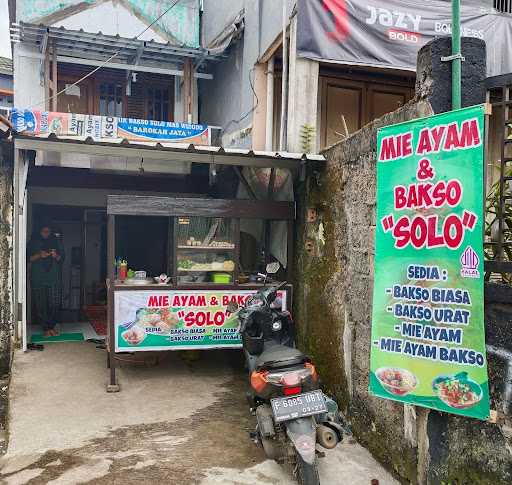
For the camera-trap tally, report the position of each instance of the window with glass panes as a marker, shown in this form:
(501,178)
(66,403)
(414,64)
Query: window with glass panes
(111,99)
(158,103)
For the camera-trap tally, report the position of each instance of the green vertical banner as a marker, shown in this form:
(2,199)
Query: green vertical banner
(428,339)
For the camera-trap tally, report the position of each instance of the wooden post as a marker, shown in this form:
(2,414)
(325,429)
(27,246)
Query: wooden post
(46,80)
(54,79)
(112,386)
(236,273)
(187,90)
(268,223)
(289,253)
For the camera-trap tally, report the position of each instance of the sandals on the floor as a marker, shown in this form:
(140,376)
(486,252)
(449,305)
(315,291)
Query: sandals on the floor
(32,346)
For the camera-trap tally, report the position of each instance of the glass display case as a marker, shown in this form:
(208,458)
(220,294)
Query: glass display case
(211,250)
(206,250)
(196,243)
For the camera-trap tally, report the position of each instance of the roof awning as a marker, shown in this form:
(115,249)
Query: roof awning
(170,153)
(97,47)
(232,31)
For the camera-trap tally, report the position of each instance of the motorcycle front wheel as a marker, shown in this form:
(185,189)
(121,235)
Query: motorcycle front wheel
(306,474)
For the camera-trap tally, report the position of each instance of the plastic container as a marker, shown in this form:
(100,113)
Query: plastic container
(221,278)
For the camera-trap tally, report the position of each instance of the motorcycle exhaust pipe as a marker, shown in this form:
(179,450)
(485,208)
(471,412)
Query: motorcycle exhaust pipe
(326,437)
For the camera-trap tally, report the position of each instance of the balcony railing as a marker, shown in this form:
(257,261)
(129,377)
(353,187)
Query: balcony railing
(504,6)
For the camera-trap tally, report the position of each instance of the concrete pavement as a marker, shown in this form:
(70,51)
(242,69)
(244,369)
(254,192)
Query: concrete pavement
(176,422)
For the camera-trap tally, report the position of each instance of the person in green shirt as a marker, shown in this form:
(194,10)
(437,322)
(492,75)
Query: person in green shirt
(46,255)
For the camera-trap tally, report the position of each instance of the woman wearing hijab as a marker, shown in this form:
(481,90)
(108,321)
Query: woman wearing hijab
(46,255)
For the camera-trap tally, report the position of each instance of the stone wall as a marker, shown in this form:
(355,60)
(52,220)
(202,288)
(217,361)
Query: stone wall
(333,295)
(6,208)
(333,303)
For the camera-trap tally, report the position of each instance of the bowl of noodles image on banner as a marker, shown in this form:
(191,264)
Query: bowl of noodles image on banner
(398,382)
(457,391)
(157,320)
(132,334)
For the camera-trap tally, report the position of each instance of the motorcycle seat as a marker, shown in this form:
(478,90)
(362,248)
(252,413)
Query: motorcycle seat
(280,356)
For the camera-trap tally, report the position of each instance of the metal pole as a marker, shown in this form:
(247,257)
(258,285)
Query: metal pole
(284,88)
(269,122)
(457,59)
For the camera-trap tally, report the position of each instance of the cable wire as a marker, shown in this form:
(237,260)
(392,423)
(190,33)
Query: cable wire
(254,107)
(103,64)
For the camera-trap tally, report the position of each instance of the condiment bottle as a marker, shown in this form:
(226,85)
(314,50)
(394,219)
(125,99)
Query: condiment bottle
(123,270)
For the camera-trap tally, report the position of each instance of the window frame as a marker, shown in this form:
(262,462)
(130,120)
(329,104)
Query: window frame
(163,85)
(97,94)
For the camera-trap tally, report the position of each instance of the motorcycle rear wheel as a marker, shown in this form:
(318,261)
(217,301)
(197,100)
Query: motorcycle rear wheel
(306,474)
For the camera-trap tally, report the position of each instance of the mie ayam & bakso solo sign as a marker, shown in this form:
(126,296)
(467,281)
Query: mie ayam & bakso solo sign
(178,319)
(428,343)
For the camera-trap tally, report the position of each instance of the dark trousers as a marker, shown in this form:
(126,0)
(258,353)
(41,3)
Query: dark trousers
(47,301)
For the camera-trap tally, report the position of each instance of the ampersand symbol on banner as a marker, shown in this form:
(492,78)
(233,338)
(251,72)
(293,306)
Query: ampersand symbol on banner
(425,170)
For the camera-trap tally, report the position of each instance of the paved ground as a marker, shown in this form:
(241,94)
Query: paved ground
(178,422)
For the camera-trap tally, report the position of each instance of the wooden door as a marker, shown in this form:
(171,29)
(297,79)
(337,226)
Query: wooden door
(75,99)
(343,107)
(350,104)
(384,99)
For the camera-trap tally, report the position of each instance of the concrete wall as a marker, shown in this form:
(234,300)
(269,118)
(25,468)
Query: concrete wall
(333,308)
(228,101)
(6,218)
(333,297)
(333,304)
(28,88)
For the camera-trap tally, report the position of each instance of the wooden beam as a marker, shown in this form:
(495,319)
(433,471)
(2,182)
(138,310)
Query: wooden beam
(81,178)
(120,65)
(267,226)
(187,90)
(180,207)
(46,81)
(55,88)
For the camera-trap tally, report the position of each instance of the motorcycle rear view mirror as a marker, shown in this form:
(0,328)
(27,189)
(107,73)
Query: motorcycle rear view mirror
(273,268)
(232,307)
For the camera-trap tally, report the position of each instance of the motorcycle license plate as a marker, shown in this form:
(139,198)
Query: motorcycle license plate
(299,406)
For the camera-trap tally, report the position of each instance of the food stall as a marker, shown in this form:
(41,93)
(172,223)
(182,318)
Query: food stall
(175,263)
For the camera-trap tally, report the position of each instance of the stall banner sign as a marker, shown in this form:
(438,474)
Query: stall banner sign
(428,340)
(108,128)
(390,33)
(167,320)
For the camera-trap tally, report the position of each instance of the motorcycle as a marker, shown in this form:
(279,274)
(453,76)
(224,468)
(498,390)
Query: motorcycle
(292,412)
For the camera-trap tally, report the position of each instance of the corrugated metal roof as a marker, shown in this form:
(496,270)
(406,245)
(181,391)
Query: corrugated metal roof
(98,46)
(5,65)
(167,151)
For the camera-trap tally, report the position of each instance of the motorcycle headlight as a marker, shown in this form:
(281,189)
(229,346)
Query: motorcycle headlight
(277,325)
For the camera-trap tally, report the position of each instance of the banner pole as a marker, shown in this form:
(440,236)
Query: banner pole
(456,56)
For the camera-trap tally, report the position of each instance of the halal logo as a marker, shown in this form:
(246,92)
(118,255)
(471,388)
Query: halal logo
(469,261)
(337,9)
